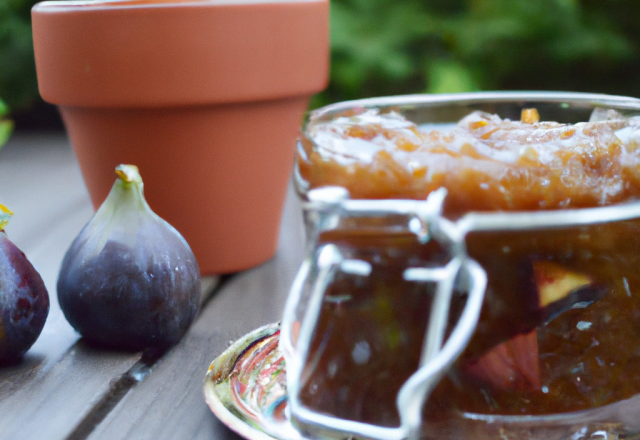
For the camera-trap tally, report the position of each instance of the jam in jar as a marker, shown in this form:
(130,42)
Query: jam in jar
(541,191)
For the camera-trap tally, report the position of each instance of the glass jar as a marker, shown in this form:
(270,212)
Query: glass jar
(411,318)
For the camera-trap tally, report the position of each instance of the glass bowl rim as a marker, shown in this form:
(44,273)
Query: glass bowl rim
(438,100)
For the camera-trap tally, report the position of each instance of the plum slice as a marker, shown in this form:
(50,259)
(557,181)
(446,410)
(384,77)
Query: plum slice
(513,364)
(560,289)
(554,282)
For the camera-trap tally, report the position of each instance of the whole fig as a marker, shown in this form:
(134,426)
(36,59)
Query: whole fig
(24,301)
(129,280)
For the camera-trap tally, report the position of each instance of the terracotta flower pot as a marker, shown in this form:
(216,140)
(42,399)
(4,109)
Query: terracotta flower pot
(206,97)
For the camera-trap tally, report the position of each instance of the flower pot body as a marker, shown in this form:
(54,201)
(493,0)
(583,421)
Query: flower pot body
(205,97)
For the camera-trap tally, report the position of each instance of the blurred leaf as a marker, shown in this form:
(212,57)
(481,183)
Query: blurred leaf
(370,39)
(598,45)
(450,77)
(5,126)
(5,131)
(4,109)
(18,85)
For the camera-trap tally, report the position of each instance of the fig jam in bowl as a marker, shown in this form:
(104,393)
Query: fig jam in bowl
(471,269)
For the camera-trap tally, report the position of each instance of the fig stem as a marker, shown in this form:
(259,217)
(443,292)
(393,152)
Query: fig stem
(127,191)
(5,215)
(128,173)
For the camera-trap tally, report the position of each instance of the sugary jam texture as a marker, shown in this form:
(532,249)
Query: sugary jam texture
(560,325)
(487,163)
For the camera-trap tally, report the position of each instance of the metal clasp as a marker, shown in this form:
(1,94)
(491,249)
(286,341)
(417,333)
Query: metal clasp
(325,209)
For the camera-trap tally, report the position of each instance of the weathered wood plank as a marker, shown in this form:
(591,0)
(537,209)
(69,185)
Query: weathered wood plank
(47,394)
(169,403)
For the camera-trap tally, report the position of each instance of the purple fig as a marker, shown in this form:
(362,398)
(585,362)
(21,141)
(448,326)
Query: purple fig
(24,301)
(129,280)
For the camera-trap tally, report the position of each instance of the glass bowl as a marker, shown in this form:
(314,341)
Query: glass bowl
(411,318)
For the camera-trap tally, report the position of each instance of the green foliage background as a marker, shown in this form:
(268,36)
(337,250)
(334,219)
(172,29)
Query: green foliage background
(18,85)
(386,47)
(383,47)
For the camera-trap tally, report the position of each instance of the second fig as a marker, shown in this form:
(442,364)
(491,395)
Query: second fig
(129,280)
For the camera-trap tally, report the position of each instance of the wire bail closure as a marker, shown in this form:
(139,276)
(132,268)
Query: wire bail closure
(323,211)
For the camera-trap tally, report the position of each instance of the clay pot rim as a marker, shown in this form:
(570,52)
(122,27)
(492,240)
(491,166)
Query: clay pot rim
(180,52)
(90,5)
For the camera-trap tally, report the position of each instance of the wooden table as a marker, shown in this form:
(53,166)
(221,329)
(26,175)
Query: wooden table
(67,390)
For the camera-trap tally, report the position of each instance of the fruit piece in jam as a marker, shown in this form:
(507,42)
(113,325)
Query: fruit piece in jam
(560,325)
